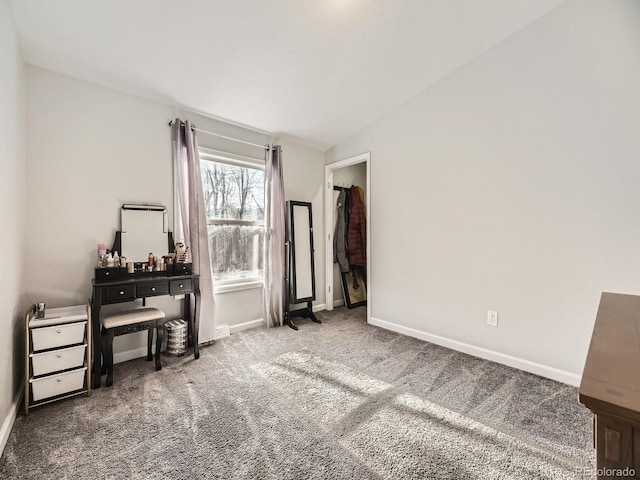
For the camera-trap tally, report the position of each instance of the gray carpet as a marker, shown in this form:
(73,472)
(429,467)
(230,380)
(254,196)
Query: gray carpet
(400,435)
(342,399)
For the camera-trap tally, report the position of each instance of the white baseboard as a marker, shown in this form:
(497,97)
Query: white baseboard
(119,357)
(319,308)
(515,362)
(260,322)
(246,326)
(222,331)
(338,303)
(10,419)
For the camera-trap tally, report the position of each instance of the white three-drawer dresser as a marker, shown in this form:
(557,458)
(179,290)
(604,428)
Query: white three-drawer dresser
(57,354)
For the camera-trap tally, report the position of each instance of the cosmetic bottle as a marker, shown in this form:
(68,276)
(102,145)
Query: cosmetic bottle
(102,255)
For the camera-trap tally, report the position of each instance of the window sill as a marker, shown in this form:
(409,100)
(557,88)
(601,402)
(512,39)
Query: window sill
(236,287)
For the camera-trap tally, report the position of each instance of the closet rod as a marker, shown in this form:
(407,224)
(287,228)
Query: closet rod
(193,127)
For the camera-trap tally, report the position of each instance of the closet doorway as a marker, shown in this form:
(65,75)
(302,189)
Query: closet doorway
(344,174)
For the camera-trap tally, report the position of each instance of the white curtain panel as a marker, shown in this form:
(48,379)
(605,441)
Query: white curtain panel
(191,221)
(274,251)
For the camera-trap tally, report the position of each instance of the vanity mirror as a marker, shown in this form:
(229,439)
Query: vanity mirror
(144,230)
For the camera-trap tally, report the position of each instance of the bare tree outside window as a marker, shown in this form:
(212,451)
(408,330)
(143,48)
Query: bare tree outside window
(234,199)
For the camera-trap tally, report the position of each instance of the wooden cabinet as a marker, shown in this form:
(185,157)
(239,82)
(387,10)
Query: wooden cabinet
(57,355)
(610,385)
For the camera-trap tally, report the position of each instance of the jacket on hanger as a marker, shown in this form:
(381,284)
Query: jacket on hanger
(340,234)
(357,229)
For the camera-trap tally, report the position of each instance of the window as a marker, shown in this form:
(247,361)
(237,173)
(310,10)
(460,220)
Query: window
(233,190)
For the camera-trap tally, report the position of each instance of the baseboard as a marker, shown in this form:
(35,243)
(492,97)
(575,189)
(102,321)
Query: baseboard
(10,419)
(515,362)
(119,357)
(319,308)
(260,322)
(246,326)
(222,331)
(338,303)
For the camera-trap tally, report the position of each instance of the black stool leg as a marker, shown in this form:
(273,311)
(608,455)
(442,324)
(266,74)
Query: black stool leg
(103,338)
(109,357)
(159,339)
(149,342)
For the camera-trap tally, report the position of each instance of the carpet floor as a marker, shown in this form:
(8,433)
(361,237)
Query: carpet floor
(341,399)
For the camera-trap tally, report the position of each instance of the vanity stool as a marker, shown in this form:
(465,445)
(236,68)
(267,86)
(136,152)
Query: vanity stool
(130,321)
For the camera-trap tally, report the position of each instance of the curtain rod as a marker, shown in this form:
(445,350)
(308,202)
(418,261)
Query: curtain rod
(193,127)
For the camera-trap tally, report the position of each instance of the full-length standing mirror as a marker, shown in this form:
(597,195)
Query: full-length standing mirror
(303,285)
(301,282)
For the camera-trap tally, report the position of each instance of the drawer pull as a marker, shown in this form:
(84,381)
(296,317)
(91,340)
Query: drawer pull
(153,289)
(106,274)
(59,355)
(58,331)
(58,379)
(180,285)
(121,292)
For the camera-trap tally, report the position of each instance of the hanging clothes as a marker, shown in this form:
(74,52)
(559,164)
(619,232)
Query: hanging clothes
(357,229)
(340,234)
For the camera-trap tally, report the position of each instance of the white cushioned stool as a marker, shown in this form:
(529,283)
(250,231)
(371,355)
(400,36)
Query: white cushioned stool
(130,321)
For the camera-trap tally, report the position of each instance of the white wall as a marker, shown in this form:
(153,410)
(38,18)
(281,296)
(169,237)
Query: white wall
(346,177)
(514,185)
(303,179)
(91,149)
(12,213)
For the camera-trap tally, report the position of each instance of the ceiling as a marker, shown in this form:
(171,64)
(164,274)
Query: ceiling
(319,70)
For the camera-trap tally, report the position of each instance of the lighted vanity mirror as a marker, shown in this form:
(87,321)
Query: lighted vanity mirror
(144,230)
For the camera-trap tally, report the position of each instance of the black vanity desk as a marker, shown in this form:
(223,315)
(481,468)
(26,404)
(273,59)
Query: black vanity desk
(128,287)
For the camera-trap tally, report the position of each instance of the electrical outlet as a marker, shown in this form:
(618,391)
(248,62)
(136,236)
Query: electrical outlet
(492,318)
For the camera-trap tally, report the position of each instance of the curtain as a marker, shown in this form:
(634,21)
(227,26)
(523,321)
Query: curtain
(190,220)
(274,250)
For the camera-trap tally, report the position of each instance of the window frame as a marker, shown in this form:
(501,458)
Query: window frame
(217,156)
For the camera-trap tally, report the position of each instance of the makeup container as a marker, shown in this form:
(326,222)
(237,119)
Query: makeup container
(102,253)
(40,311)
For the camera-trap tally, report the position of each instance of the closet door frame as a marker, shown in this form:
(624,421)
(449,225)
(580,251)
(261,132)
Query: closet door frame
(330,224)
